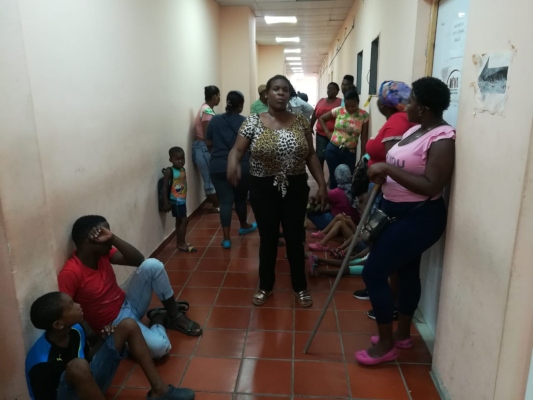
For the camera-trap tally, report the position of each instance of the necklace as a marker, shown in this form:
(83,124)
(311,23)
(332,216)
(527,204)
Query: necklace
(426,130)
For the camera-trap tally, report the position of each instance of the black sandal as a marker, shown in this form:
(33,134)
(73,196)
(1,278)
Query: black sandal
(183,306)
(174,324)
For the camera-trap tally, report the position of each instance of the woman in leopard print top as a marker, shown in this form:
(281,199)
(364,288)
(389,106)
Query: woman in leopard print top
(281,147)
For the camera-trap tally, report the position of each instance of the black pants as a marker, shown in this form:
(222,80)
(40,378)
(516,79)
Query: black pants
(227,195)
(271,209)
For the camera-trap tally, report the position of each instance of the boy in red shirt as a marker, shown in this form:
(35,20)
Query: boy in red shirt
(89,279)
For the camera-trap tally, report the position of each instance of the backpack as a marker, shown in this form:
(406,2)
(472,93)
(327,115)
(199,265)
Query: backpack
(360,179)
(160,185)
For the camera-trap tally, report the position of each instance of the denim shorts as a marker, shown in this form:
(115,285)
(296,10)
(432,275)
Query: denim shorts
(179,210)
(103,368)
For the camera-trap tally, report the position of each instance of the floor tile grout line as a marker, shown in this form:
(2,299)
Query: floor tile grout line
(404,381)
(238,380)
(200,337)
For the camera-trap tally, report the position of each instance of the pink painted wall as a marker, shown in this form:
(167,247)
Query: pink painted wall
(94,93)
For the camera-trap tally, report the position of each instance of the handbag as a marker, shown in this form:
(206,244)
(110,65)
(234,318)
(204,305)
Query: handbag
(379,220)
(360,179)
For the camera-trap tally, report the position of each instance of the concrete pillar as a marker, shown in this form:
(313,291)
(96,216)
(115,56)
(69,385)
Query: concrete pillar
(238,58)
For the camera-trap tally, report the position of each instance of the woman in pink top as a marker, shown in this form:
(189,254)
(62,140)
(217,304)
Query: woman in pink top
(414,176)
(200,152)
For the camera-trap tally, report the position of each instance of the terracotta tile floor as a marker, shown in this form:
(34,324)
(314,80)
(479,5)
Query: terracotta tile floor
(249,353)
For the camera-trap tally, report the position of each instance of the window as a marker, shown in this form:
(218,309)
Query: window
(359,71)
(374,56)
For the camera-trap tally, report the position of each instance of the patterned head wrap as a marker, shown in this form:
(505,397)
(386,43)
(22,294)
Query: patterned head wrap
(343,176)
(394,94)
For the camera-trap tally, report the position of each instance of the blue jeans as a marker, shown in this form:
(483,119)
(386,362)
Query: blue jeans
(229,195)
(150,276)
(336,156)
(103,368)
(321,220)
(201,157)
(321,143)
(399,249)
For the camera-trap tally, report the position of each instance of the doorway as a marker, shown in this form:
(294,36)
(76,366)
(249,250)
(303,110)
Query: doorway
(450,36)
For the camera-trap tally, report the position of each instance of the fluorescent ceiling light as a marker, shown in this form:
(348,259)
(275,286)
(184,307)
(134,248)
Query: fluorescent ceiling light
(298,69)
(295,63)
(293,58)
(281,20)
(301,74)
(288,39)
(292,51)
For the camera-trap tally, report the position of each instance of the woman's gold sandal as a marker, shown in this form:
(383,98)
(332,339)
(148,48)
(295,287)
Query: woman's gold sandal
(260,297)
(304,298)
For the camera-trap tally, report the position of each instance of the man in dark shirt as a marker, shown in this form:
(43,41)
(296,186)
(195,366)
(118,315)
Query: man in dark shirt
(63,365)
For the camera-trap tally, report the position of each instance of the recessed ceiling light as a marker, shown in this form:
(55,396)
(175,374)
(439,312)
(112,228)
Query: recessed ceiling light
(293,58)
(295,63)
(288,39)
(292,50)
(281,20)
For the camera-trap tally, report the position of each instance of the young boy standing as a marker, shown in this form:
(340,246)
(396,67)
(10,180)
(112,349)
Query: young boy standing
(62,364)
(175,196)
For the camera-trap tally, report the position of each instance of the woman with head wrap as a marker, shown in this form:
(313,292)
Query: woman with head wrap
(392,101)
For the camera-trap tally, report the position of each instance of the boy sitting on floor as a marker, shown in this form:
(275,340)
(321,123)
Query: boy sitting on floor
(89,279)
(62,365)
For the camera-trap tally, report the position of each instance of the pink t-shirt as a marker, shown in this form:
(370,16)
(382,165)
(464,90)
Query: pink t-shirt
(412,158)
(204,114)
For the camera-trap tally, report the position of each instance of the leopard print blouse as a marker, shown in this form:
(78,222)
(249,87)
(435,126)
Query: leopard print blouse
(279,152)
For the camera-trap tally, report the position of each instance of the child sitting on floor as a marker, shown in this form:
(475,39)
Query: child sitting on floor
(62,365)
(340,200)
(355,265)
(342,224)
(175,196)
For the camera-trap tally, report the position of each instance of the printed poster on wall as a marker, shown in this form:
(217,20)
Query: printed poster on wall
(491,85)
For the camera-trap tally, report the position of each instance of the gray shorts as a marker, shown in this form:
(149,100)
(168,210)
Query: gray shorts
(103,368)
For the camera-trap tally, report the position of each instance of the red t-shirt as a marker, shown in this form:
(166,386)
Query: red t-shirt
(393,129)
(322,108)
(339,202)
(96,290)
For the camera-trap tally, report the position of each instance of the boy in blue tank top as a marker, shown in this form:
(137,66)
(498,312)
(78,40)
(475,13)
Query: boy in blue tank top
(175,196)
(70,362)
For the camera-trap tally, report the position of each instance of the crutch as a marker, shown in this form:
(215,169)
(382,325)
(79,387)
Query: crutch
(364,217)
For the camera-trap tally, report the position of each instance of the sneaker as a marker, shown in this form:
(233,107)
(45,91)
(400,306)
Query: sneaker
(361,294)
(371,314)
(226,244)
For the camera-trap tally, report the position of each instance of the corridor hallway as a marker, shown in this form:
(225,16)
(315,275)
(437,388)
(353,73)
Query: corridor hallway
(255,353)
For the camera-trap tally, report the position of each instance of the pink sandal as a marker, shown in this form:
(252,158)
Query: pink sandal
(318,247)
(362,357)
(401,344)
(317,235)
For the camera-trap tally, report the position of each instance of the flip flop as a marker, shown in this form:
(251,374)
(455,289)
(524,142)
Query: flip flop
(245,231)
(172,324)
(318,247)
(173,394)
(317,235)
(362,357)
(214,210)
(190,249)
(401,344)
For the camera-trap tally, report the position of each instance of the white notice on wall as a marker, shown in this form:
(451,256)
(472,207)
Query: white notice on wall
(492,85)
(458,35)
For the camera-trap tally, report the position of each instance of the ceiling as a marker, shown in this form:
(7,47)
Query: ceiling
(318,24)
